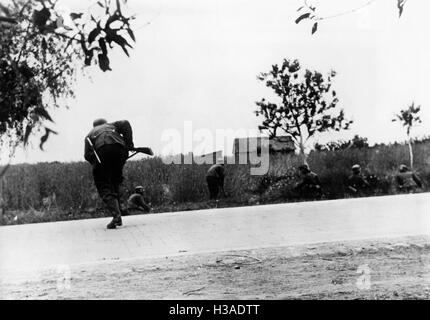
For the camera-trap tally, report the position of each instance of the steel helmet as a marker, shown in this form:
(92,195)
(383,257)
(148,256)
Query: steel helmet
(139,188)
(99,122)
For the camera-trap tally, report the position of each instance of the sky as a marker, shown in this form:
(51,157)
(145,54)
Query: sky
(195,62)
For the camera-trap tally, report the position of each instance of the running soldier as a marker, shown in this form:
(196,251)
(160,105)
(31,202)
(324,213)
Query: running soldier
(310,186)
(136,202)
(407,181)
(215,180)
(106,148)
(357,184)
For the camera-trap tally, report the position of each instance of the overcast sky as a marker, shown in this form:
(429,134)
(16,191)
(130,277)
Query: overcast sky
(198,61)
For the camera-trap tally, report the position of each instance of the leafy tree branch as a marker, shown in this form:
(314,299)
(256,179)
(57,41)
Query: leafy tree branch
(41,52)
(310,12)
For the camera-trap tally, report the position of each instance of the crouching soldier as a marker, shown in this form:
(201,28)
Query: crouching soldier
(407,181)
(106,148)
(136,201)
(310,186)
(357,184)
(215,180)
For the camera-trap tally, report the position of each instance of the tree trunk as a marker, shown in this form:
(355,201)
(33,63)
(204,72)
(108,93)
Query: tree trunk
(411,154)
(302,152)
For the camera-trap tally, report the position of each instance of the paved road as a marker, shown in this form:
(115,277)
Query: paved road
(35,246)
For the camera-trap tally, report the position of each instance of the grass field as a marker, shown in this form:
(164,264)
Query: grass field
(62,191)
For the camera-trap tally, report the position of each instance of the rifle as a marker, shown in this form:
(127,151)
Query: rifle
(94,150)
(144,150)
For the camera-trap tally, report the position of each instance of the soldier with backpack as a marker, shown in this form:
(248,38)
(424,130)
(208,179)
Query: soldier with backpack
(106,147)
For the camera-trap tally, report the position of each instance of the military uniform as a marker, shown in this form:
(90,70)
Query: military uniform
(215,180)
(111,142)
(310,186)
(357,184)
(408,182)
(137,203)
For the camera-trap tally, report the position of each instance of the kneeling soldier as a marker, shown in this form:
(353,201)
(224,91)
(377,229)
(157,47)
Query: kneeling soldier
(310,186)
(357,184)
(407,181)
(136,201)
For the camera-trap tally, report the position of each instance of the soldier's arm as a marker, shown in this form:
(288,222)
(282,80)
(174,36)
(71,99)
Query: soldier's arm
(142,205)
(366,183)
(124,128)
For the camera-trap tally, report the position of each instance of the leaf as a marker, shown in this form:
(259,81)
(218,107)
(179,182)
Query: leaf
(76,16)
(400,5)
(27,133)
(131,33)
(88,57)
(125,51)
(26,71)
(41,112)
(119,40)
(41,17)
(44,45)
(104,63)
(315,27)
(302,17)
(45,137)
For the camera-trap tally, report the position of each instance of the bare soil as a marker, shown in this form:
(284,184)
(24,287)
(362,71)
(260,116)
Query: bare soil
(372,269)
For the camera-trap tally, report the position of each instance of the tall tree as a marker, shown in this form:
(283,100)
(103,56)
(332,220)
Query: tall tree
(41,52)
(409,118)
(306,107)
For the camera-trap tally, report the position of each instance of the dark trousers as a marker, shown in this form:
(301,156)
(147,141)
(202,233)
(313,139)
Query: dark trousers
(108,176)
(213,186)
(309,192)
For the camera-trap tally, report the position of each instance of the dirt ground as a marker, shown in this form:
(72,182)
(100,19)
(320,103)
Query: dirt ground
(374,269)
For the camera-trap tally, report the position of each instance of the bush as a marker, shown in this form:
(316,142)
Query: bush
(68,187)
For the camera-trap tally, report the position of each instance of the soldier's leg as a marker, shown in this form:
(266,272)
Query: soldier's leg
(213,187)
(117,176)
(146,207)
(103,177)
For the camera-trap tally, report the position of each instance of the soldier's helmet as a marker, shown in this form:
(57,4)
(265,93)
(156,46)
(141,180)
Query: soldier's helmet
(356,168)
(403,168)
(99,122)
(304,168)
(139,189)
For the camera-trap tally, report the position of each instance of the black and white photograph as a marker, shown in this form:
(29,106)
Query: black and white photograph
(214,150)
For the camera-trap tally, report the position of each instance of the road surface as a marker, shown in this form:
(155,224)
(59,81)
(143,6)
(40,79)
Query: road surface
(34,246)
